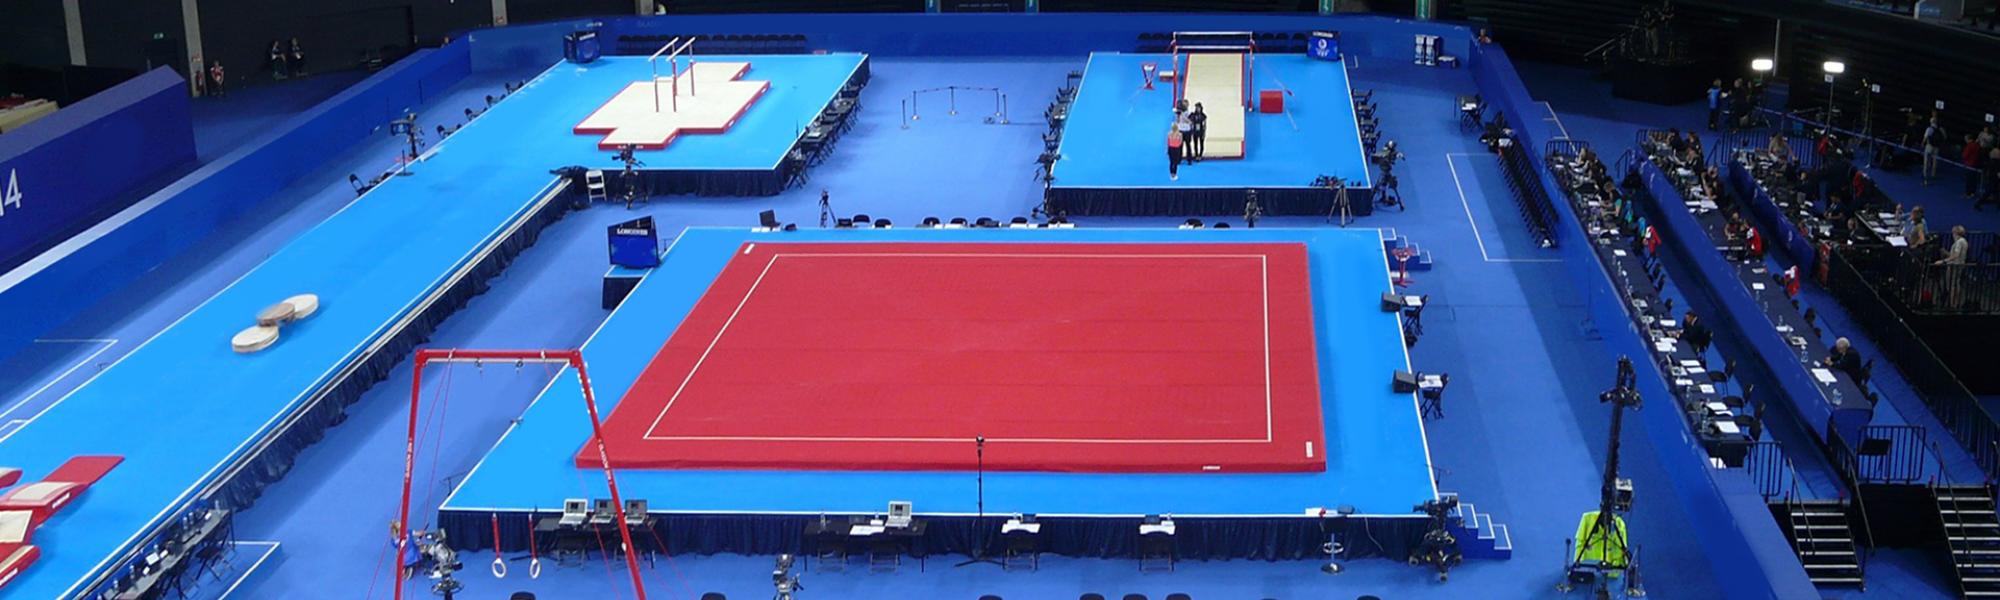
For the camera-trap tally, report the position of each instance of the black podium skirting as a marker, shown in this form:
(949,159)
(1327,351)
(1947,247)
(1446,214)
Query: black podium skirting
(717,183)
(1196,538)
(1221,202)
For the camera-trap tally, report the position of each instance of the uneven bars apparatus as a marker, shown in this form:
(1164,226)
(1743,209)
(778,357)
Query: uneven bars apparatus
(688,46)
(1248,47)
(570,358)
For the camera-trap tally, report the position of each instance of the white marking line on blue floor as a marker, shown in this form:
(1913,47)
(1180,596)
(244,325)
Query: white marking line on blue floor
(1481,240)
(102,345)
(245,576)
(1554,117)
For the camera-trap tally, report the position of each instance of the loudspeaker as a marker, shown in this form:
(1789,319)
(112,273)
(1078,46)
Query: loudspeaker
(1405,382)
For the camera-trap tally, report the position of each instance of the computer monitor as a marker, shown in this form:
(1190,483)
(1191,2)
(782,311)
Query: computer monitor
(575,506)
(601,510)
(899,513)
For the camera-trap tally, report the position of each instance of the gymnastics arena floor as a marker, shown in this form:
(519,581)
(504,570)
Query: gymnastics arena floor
(1116,135)
(1375,457)
(374,265)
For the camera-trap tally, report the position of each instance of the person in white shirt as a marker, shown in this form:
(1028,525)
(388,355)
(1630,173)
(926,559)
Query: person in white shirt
(1956,254)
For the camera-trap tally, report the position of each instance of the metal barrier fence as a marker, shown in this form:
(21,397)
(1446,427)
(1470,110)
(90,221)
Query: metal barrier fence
(1768,467)
(1948,399)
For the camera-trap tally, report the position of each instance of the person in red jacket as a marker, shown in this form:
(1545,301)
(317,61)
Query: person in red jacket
(1174,154)
(1971,157)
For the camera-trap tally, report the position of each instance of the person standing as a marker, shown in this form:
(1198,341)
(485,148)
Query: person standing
(216,79)
(1199,120)
(1184,124)
(274,60)
(298,59)
(1971,156)
(1252,211)
(1714,103)
(1174,155)
(1933,139)
(1915,230)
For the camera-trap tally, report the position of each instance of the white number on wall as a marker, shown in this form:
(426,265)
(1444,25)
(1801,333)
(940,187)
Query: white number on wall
(13,196)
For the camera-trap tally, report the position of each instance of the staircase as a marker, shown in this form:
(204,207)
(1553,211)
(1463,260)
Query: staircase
(1972,531)
(1391,242)
(1824,542)
(1478,536)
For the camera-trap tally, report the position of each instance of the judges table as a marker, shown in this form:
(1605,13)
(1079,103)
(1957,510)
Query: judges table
(1749,292)
(847,533)
(1710,411)
(1765,187)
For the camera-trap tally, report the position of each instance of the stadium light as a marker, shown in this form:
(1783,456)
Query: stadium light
(1761,65)
(1833,67)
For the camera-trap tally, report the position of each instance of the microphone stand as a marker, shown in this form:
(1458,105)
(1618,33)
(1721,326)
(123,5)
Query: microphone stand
(978,554)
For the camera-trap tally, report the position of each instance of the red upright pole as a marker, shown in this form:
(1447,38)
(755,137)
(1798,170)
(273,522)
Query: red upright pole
(402,524)
(611,481)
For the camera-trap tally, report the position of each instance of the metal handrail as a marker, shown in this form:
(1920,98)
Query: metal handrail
(1951,545)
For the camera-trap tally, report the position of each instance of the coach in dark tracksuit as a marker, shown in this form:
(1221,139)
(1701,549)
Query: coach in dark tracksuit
(1199,120)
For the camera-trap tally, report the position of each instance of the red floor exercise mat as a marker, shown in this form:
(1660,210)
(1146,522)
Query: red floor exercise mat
(1065,357)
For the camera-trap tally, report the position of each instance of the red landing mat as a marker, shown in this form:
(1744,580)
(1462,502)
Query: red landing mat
(1065,357)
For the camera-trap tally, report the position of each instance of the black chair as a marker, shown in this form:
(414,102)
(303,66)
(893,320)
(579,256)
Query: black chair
(1867,373)
(1738,400)
(1022,548)
(1019,221)
(1750,426)
(1192,223)
(986,222)
(714,596)
(1221,225)
(1156,553)
(1091,596)
(1179,596)
(843,223)
(881,223)
(531,596)
(1135,597)
(1722,377)
(1433,404)
(931,222)
(959,221)
(1413,317)
(862,218)
(989,597)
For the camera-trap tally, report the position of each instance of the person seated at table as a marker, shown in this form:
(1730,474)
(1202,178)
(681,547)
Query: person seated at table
(1735,229)
(1840,217)
(1780,150)
(1496,130)
(1845,359)
(1696,333)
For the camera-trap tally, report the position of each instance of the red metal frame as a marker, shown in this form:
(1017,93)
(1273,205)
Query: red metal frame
(572,358)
